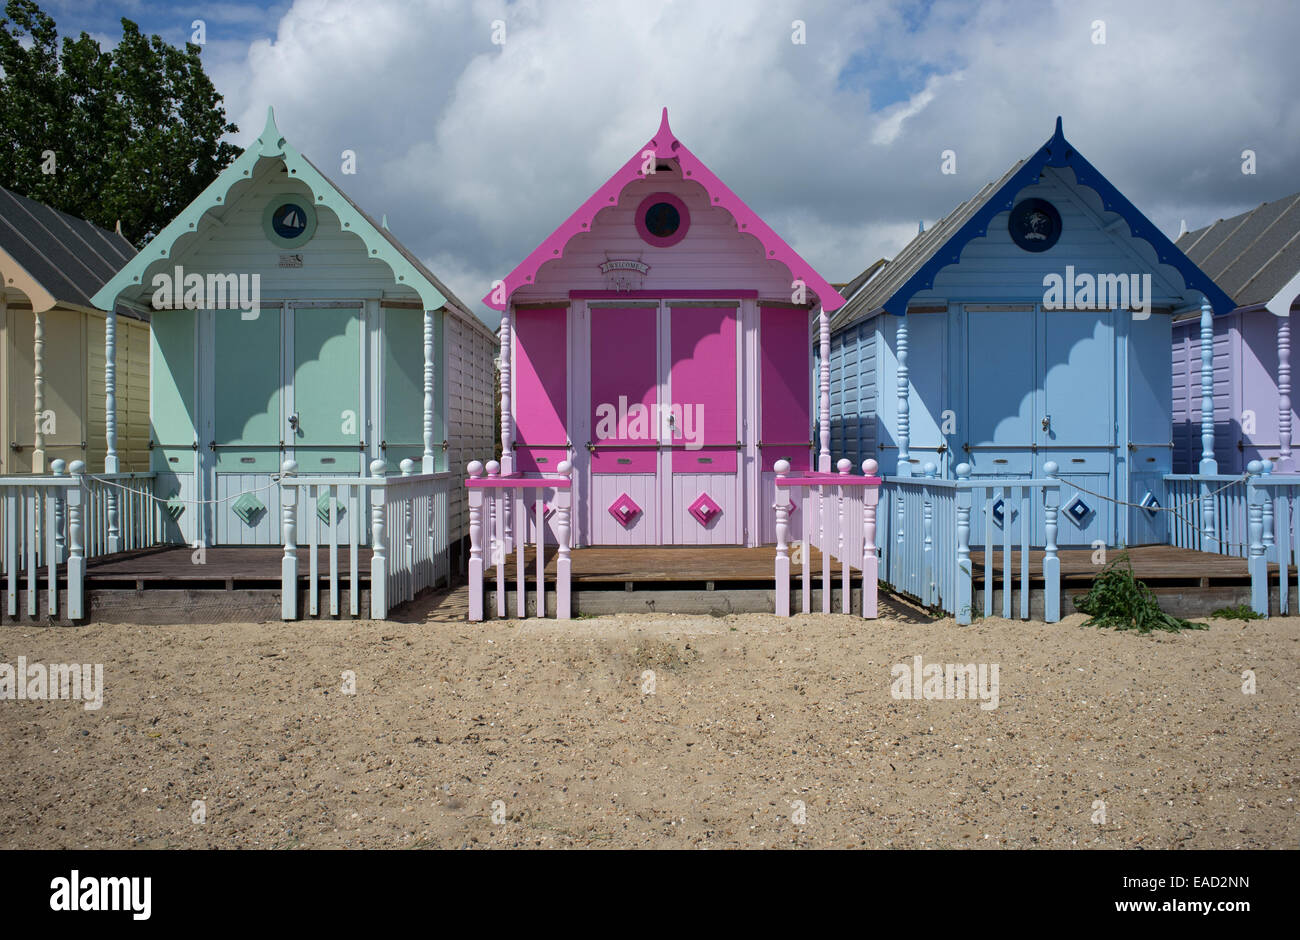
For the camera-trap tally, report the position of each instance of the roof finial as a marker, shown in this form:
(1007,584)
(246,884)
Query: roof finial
(920,226)
(271,138)
(664,136)
(118,227)
(1182,227)
(1059,132)
(384,222)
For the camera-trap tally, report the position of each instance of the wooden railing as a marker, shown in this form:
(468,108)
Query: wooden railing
(42,519)
(833,504)
(925,538)
(1207,512)
(1274,533)
(400,520)
(122,514)
(489,500)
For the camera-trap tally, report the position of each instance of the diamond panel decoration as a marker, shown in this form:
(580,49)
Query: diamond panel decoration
(248,508)
(704,509)
(1000,513)
(1150,504)
(625,510)
(323,508)
(175,506)
(1079,511)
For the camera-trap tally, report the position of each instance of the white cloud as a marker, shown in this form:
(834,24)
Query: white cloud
(477,151)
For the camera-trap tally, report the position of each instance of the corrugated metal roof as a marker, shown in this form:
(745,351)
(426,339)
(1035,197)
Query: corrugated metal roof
(70,257)
(918,252)
(1253,255)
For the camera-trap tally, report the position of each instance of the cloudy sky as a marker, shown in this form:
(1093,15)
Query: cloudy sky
(477,149)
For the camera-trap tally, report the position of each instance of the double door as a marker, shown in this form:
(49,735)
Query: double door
(665,438)
(286,384)
(1041,386)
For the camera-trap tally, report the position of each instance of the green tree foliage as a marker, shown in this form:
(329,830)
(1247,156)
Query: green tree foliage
(135,132)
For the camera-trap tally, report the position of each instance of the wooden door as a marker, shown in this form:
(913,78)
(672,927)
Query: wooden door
(625,385)
(700,470)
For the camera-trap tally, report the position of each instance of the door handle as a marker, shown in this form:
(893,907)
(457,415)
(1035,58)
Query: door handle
(1047,422)
(293,421)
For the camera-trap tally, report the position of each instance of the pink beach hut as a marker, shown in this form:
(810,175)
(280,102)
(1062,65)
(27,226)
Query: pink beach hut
(656,350)
(658,340)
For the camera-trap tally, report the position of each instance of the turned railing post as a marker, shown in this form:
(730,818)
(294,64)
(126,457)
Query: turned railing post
(1209,465)
(1051,562)
(870,563)
(781,503)
(38,392)
(76,551)
(903,422)
(927,535)
(844,466)
(475,500)
(965,578)
(59,468)
(428,460)
(1285,462)
(1258,562)
(378,539)
(110,431)
(824,387)
(289,528)
(497,535)
(563,501)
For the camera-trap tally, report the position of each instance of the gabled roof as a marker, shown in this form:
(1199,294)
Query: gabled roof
(379,242)
(65,259)
(1253,256)
(917,265)
(665,146)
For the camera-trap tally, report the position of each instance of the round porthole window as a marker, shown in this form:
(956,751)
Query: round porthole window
(1035,225)
(662,220)
(289,221)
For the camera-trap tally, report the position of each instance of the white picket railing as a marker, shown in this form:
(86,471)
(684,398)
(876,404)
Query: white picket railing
(42,520)
(400,520)
(490,498)
(839,515)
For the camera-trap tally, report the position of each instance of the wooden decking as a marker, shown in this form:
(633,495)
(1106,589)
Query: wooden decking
(1151,563)
(216,568)
(169,585)
(681,564)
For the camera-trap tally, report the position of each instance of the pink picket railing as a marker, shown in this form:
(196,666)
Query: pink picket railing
(490,498)
(839,513)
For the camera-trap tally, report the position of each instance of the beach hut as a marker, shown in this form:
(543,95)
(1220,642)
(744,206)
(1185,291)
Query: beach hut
(1032,324)
(1255,258)
(658,341)
(52,343)
(291,330)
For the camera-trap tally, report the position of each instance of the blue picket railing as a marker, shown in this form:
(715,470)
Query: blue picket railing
(927,527)
(1274,533)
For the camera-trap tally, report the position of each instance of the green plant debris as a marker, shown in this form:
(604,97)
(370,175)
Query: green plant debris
(1240,612)
(1120,601)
